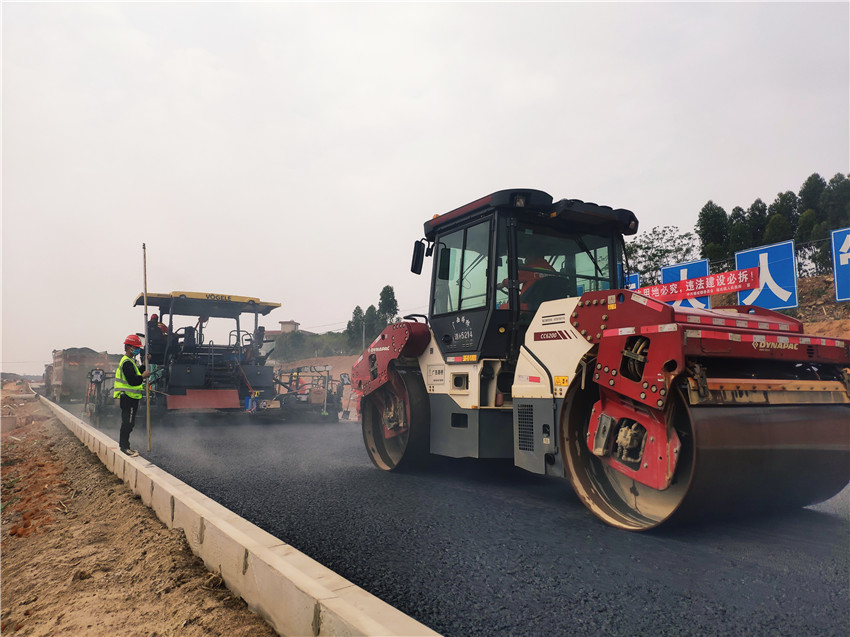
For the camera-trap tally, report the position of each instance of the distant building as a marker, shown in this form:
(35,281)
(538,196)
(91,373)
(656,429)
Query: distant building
(289,326)
(286,327)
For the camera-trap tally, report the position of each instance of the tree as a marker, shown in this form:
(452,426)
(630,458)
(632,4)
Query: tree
(387,306)
(364,327)
(354,329)
(739,231)
(713,232)
(372,323)
(778,229)
(757,222)
(802,241)
(291,346)
(822,257)
(810,194)
(835,202)
(808,221)
(649,251)
(785,204)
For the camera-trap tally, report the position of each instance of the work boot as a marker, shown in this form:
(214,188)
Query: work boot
(129,452)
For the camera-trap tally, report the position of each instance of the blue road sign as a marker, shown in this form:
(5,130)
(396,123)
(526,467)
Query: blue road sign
(841,263)
(630,282)
(683,271)
(777,266)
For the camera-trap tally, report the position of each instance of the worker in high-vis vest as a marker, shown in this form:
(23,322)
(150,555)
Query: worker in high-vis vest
(129,388)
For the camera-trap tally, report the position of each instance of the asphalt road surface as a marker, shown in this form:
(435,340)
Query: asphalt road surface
(482,548)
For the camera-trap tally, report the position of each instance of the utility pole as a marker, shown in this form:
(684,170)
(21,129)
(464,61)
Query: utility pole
(145,354)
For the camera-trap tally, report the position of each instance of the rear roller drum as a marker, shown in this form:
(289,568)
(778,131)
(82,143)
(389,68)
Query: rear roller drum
(396,421)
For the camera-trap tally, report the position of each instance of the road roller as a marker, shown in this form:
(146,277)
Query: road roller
(532,349)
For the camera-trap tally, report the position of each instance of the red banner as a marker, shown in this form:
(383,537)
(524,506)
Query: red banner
(733,281)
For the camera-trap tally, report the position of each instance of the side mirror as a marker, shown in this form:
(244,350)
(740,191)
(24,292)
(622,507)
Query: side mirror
(418,257)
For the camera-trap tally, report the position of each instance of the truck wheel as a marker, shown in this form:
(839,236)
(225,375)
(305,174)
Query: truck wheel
(396,422)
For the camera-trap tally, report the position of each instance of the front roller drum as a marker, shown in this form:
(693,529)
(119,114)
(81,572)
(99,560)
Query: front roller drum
(734,460)
(396,421)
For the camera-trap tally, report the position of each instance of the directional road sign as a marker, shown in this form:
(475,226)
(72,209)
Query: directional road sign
(682,272)
(777,288)
(841,263)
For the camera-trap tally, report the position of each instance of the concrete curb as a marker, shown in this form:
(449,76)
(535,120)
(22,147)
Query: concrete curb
(293,592)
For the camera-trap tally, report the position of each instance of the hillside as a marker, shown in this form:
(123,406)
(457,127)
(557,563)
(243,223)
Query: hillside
(817,308)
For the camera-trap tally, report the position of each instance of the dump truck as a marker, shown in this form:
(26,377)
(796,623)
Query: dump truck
(533,350)
(190,372)
(67,378)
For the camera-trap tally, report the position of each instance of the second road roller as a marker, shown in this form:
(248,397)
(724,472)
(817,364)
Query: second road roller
(533,350)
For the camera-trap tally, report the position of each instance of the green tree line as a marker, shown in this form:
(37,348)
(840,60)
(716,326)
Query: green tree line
(361,330)
(807,216)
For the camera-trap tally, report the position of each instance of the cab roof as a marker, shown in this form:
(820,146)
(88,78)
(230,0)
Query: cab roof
(530,203)
(206,304)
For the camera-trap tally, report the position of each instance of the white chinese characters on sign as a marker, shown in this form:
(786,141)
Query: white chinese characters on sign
(841,263)
(766,281)
(777,267)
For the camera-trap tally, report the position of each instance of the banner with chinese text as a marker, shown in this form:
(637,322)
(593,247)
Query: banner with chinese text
(734,281)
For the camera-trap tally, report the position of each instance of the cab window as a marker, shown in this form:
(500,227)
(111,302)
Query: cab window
(462,270)
(552,265)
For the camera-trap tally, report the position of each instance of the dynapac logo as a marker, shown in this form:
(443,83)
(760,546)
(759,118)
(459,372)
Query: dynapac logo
(553,335)
(766,345)
(218,297)
(380,349)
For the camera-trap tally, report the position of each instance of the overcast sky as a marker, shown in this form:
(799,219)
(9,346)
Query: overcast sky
(292,152)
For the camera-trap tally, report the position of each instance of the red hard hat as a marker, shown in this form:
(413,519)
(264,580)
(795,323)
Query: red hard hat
(154,317)
(133,341)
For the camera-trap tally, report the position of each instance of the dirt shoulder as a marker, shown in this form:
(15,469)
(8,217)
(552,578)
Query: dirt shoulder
(816,307)
(82,555)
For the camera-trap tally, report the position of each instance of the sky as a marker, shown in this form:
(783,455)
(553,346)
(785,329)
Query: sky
(293,151)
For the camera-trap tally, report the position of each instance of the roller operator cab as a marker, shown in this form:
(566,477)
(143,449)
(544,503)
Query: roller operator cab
(532,350)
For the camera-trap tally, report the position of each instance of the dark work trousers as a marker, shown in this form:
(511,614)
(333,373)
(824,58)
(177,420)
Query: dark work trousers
(129,407)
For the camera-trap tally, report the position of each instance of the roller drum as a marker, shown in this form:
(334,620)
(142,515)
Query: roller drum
(735,460)
(760,458)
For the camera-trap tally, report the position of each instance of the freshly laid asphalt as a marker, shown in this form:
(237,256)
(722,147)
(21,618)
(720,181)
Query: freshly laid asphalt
(481,548)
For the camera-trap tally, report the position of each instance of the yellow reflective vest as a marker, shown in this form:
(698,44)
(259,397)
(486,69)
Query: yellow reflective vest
(121,386)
